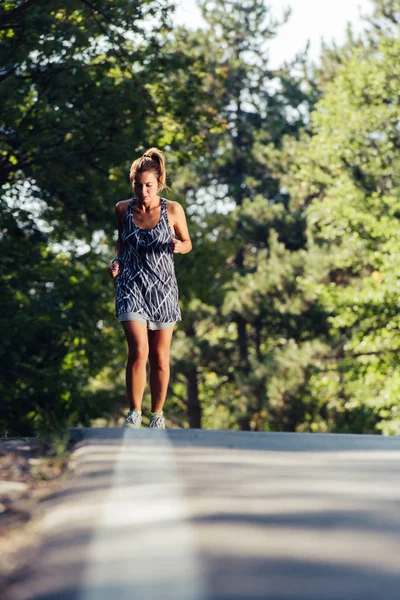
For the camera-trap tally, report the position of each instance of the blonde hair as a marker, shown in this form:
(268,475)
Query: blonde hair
(152,160)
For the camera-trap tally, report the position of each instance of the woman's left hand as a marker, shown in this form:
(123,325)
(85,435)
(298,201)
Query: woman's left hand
(176,245)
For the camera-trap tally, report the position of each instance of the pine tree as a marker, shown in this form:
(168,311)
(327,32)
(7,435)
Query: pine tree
(238,205)
(346,176)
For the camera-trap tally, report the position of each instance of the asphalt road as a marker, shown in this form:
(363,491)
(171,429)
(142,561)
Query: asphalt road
(213,515)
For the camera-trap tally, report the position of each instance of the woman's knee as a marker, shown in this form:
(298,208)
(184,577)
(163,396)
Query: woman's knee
(159,361)
(138,353)
(137,340)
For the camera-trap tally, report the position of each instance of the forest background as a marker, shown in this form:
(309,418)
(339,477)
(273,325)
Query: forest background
(290,180)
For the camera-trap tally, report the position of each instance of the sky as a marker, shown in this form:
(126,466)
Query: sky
(310,20)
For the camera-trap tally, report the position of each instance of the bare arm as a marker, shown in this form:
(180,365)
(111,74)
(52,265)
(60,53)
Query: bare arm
(182,243)
(120,226)
(114,267)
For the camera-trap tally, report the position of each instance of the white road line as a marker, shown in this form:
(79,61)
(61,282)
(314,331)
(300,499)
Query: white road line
(143,547)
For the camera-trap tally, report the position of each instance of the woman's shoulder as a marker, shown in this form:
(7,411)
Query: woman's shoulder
(122,206)
(173,207)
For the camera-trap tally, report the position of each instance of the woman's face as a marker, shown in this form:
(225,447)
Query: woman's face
(145,186)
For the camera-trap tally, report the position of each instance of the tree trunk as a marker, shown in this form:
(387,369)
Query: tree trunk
(193,404)
(240,321)
(261,388)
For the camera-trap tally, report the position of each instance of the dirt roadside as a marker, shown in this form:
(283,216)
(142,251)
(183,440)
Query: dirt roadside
(30,472)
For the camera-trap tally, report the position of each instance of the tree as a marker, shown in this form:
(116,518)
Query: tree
(82,92)
(346,176)
(237,204)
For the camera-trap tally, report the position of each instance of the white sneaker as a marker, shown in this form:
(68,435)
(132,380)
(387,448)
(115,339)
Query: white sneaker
(133,419)
(157,421)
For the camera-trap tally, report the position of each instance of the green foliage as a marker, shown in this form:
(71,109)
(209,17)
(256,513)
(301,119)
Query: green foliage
(240,218)
(54,337)
(81,90)
(348,177)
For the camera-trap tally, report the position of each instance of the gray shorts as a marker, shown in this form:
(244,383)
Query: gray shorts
(152,325)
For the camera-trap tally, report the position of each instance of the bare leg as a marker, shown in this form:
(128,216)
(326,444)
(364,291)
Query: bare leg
(138,352)
(159,345)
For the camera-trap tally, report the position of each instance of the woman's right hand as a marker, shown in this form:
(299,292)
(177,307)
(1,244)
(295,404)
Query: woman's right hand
(113,268)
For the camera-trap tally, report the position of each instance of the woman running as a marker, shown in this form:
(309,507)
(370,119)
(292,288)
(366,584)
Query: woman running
(150,230)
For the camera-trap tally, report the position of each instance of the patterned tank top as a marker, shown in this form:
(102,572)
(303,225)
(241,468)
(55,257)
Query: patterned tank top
(147,283)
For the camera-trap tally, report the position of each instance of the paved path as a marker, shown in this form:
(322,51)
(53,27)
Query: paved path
(208,515)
